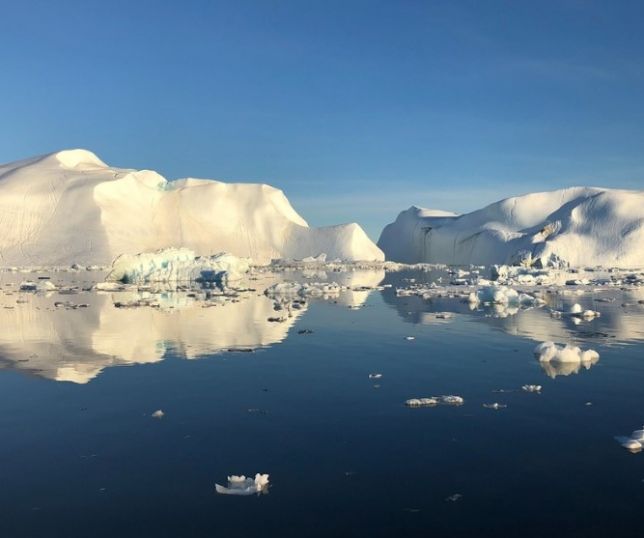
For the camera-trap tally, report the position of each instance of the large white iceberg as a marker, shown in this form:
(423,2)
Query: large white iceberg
(70,207)
(579,226)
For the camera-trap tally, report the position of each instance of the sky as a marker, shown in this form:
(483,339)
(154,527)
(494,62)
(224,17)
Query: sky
(356,109)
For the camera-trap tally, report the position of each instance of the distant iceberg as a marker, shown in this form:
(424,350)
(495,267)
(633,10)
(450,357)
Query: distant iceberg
(580,226)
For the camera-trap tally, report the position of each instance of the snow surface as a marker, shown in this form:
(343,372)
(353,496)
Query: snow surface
(70,207)
(579,226)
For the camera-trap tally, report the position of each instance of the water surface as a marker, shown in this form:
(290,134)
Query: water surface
(82,456)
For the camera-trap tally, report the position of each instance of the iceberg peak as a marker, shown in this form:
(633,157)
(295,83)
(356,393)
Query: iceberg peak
(79,159)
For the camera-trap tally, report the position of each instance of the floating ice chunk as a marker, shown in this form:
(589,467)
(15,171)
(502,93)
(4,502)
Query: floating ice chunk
(43,285)
(531,388)
(240,485)
(549,351)
(158,414)
(496,406)
(308,289)
(176,265)
(454,498)
(638,435)
(590,314)
(422,402)
(629,443)
(375,376)
(500,295)
(576,309)
(410,338)
(452,400)
(109,286)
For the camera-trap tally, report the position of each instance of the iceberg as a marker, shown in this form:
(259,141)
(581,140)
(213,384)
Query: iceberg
(176,265)
(70,207)
(574,227)
(240,485)
(549,351)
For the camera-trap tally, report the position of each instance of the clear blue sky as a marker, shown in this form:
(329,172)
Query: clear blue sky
(357,109)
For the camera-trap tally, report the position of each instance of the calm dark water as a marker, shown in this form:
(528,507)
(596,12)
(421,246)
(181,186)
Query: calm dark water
(345,458)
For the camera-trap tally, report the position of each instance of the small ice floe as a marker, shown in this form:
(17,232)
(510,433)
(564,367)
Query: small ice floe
(496,406)
(638,435)
(308,289)
(629,443)
(240,485)
(421,402)
(551,352)
(500,295)
(375,376)
(43,285)
(435,400)
(451,400)
(158,414)
(577,311)
(410,338)
(454,498)
(531,388)
(444,315)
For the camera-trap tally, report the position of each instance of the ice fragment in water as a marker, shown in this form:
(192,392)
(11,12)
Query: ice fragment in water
(158,414)
(531,388)
(240,485)
(494,406)
(421,402)
(629,444)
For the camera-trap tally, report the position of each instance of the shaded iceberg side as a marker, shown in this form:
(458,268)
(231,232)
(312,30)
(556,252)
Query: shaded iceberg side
(580,226)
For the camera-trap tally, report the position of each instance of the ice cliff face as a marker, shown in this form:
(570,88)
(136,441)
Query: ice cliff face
(70,207)
(579,226)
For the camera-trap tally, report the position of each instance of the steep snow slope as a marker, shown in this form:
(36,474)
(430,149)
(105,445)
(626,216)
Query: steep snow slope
(70,207)
(577,226)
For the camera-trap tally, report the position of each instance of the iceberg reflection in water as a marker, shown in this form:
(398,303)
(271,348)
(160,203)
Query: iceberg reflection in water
(74,337)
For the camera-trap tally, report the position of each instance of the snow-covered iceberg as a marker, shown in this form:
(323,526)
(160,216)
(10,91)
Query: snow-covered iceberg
(71,207)
(579,226)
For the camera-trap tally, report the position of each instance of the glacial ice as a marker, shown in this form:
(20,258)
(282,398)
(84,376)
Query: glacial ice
(240,485)
(576,227)
(75,209)
(176,265)
(549,351)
